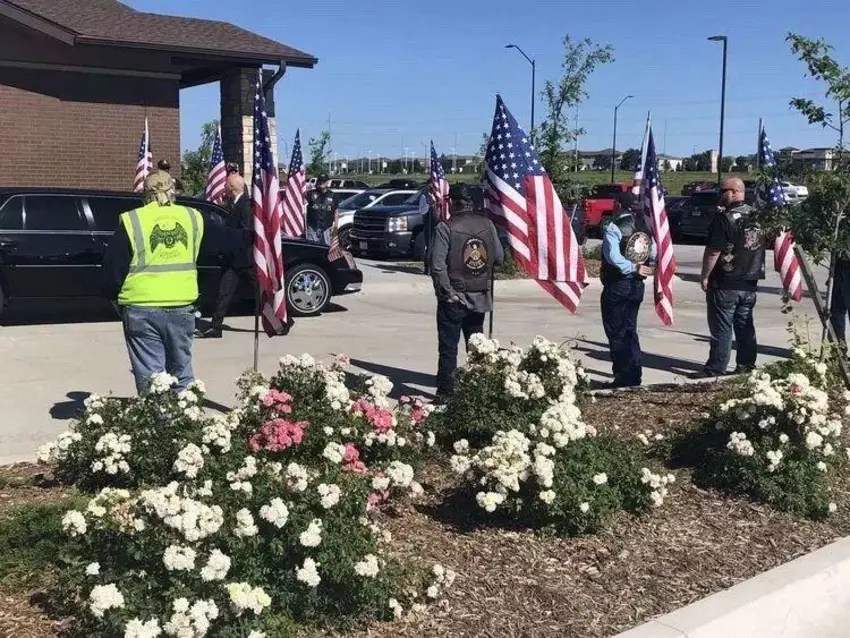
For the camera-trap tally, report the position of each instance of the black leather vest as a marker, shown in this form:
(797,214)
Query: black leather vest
(629,225)
(743,260)
(471,252)
(321,208)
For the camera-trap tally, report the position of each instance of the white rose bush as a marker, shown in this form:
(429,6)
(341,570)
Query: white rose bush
(257,522)
(517,439)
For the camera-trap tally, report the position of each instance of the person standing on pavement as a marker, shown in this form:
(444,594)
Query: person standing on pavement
(464,253)
(239,269)
(839,305)
(732,265)
(150,270)
(627,249)
(321,212)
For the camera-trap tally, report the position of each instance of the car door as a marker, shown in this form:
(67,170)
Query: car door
(209,263)
(11,228)
(55,255)
(103,213)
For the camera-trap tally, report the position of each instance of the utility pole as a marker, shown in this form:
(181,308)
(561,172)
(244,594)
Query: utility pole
(454,156)
(575,148)
(330,144)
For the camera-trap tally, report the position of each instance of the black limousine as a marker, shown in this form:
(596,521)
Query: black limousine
(52,243)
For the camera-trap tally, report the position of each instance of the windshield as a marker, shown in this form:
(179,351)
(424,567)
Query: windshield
(413,200)
(607,191)
(361,200)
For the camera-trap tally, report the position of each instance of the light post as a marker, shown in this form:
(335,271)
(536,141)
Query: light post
(370,160)
(533,77)
(725,41)
(614,144)
(405,161)
(424,157)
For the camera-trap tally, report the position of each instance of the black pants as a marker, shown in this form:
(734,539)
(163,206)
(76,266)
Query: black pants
(840,302)
(621,302)
(730,313)
(227,288)
(452,320)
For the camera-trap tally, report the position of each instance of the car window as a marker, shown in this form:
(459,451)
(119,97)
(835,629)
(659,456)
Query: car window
(704,199)
(607,192)
(11,214)
(107,210)
(52,212)
(395,199)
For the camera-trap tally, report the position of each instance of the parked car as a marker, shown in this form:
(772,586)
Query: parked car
(344,193)
(348,183)
(52,243)
(603,202)
(362,201)
(401,183)
(402,230)
(794,192)
(697,212)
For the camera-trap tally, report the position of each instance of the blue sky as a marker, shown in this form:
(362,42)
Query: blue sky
(398,73)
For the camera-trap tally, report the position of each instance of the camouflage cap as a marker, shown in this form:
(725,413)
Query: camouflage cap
(159,182)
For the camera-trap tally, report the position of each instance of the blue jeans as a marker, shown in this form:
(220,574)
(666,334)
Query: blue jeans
(452,320)
(160,340)
(621,302)
(840,304)
(731,312)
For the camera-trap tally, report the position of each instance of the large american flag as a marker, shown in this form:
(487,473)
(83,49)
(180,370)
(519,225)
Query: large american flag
(268,216)
(294,222)
(654,208)
(217,177)
(144,163)
(520,198)
(439,187)
(784,259)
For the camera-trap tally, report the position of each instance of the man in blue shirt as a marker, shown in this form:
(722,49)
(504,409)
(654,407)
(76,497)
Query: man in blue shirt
(627,249)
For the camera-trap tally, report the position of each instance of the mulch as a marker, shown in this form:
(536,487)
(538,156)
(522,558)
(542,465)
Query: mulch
(515,583)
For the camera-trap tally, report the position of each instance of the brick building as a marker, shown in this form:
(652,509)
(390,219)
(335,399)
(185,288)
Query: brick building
(78,78)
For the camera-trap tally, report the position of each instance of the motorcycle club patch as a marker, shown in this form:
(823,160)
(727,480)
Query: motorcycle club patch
(752,238)
(474,256)
(638,248)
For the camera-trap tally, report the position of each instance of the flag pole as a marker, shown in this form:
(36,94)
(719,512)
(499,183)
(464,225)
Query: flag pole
(257,326)
(758,147)
(492,300)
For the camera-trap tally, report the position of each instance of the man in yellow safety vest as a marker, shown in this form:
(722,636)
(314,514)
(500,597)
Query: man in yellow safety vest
(150,268)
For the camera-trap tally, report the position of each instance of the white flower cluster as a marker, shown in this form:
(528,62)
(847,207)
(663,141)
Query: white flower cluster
(58,450)
(193,519)
(304,362)
(334,452)
(74,523)
(245,526)
(390,438)
(139,629)
(308,573)
(190,461)
(740,445)
(563,423)
(379,387)
(443,579)
(524,385)
(401,474)
(657,483)
(243,598)
(218,564)
(162,382)
(329,495)
(218,433)
(177,558)
(337,392)
(368,567)
(480,344)
(103,598)
(297,477)
(191,621)
(276,513)
(312,537)
(239,481)
(117,448)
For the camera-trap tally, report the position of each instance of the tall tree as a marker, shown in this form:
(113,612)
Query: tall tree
(630,159)
(602,162)
(195,165)
(319,150)
(726,164)
(562,98)
(742,162)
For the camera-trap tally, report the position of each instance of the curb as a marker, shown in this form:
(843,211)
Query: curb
(808,597)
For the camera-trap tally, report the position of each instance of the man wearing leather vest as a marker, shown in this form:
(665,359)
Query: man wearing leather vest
(321,212)
(464,252)
(733,264)
(627,251)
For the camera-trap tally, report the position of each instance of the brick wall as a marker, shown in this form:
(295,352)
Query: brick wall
(82,130)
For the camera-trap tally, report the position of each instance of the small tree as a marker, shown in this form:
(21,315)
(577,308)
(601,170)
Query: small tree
(195,166)
(555,133)
(742,163)
(726,164)
(319,147)
(602,162)
(630,159)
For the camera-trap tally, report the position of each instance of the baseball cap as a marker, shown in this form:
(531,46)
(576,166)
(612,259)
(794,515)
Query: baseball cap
(159,182)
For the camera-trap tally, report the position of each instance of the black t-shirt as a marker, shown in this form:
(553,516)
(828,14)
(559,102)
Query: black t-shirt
(722,237)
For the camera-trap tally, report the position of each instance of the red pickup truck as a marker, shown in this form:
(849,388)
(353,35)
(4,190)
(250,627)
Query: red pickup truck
(603,202)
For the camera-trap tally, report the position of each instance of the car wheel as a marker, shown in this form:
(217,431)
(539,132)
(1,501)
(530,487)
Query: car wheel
(419,247)
(308,290)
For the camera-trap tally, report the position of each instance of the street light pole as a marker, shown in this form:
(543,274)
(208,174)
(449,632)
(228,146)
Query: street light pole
(614,144)
(725,41)
(533,78)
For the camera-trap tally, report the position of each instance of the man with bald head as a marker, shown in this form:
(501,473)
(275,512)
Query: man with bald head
(240,221)
(732,265)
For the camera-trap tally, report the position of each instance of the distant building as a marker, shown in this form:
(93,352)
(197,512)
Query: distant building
(816,159)
(670,163)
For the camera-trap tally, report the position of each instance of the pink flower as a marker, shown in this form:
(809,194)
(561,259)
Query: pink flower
(351,454)
(277,435)
(795,389)
(380,419)
(278,400)
(375,499)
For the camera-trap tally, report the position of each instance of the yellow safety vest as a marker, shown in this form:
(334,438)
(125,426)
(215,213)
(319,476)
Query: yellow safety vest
(165,241)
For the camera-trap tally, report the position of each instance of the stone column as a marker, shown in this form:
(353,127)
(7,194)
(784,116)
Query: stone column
(237,118)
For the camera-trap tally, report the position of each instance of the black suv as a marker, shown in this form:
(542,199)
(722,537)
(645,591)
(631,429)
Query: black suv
(52,243)
(402,230)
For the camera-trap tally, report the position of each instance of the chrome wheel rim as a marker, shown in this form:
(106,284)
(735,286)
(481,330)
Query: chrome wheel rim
(308,291)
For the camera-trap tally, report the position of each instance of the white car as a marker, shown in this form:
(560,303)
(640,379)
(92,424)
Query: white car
(795,192)
(367,199)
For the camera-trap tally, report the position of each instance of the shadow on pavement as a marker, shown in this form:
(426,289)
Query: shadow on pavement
(71,409)
(58,311)
(402,379)
(600,352)
(768,351)
(410,268)
(766,290)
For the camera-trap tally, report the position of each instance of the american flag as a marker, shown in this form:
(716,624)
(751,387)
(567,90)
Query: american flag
(217,177)
(784,259)
(144,164)
(294,222)
(520,198)
(637,183)
(655,209)
(268,216)
(439,186)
